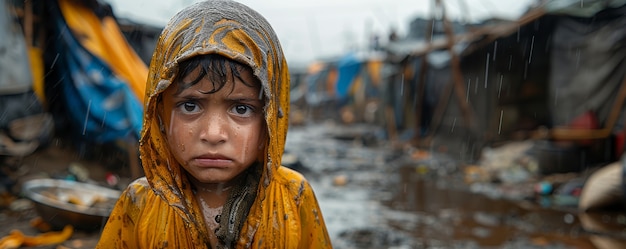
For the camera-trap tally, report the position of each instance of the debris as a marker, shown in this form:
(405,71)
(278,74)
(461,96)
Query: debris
(79,171)
(112,179)
(16,238)
(422,169)
(420,155)
(543,188)
(340,180)
(20,205)
(39,224)
(475,173)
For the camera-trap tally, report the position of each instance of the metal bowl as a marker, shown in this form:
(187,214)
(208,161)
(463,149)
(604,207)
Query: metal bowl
(61,202)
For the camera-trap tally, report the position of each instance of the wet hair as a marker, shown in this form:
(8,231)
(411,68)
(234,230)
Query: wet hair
(216,68)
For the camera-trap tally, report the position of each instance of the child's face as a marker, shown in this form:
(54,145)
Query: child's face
(214,136)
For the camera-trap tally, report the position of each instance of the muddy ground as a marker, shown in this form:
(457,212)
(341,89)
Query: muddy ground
(372,196)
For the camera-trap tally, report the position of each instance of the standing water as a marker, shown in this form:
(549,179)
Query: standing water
(372,196)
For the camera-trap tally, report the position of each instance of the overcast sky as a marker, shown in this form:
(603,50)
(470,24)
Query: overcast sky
(314,29)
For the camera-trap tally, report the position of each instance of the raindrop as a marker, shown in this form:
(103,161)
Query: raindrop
(500,86)
(510,62)
(476,86)
(500,125)
(556,96)
(86,117)
(104,118)
(525,71)
(532,45)
(402,85)
(432,31)
(54,61)
(469,83)
(453,124)
(495,48)
(487,70)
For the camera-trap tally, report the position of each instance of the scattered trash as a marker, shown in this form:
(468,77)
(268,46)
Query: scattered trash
(20,205)
(79,171)
(340,180)
(476,173)
(17,239)
(543,188)
(112,179)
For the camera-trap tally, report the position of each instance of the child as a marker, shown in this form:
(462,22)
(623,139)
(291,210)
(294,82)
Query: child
(214,131)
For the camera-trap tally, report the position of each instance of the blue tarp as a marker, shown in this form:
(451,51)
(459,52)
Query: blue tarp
(348,67)
(99,104)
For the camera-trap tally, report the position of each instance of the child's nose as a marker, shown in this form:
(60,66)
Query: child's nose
(215,129)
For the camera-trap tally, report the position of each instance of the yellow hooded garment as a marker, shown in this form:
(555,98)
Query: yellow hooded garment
(160,210)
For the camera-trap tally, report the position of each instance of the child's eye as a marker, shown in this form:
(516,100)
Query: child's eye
(242,110)
(189,107)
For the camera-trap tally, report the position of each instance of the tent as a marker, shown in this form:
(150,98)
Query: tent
(100,79)
(557,73)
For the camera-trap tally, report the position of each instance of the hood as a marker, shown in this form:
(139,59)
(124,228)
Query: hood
(237,32)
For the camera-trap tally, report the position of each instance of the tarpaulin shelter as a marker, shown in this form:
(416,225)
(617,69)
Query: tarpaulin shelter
(556,73)
(345,82)
(348,67)
(75,64)
(99,79)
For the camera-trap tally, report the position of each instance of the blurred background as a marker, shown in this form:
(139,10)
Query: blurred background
(420,124)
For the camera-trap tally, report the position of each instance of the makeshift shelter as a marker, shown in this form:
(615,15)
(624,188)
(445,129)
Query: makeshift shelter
(87,78)
(102,80)
(348,82)
(23,124)
(418,78)
(557,73)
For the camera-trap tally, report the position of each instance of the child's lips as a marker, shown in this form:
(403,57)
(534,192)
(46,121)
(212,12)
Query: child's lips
(213,161)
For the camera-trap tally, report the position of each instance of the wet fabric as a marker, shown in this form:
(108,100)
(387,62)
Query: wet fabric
(588,63)
(102,37)
(160,210)
(349,67)
(99,101)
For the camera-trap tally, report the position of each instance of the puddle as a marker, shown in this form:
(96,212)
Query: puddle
(389,203)
(449,213)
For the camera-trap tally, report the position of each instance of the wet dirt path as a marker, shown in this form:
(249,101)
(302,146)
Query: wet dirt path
(373,197)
